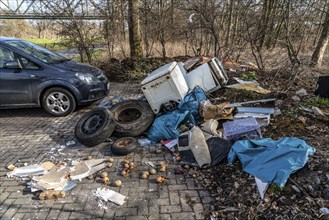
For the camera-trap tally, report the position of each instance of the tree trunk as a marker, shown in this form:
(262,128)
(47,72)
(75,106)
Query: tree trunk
(134,29)
(321,46)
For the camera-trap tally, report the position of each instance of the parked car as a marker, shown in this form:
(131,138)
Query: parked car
(32,76)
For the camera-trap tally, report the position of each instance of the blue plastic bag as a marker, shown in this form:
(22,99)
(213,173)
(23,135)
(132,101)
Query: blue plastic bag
(166,126)
(191,103)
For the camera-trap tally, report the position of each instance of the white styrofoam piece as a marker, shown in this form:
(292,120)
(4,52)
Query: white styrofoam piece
(34,169)
(165,86)
(161,71)
(110,196)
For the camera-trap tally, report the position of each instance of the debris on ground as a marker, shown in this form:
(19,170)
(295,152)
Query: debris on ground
(108,195)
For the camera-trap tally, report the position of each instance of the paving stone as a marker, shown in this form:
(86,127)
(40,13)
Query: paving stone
(174,198)
(32,136)
(126,212)
(17,216)
(170,209)
(53,214)
(183,215)
(165,217)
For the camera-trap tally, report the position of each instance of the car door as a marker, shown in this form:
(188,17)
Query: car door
(15,85)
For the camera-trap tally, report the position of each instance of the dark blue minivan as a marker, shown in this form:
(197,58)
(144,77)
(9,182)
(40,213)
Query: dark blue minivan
(32,76)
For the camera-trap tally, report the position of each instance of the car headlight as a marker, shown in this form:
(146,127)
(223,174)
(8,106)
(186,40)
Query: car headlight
(87,78)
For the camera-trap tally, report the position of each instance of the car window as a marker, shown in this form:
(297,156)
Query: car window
(28,64)
(5,57)
(37,52)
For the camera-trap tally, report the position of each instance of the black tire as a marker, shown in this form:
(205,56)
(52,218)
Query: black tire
(94,127)
(58,101)
(133,118)
(124,146)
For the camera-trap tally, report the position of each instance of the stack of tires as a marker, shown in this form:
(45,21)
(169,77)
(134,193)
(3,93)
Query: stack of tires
(125,119)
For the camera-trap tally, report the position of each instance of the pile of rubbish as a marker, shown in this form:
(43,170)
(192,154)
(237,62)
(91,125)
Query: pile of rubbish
(177,112)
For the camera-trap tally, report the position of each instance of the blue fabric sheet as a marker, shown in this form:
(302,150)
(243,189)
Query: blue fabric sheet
(269,160)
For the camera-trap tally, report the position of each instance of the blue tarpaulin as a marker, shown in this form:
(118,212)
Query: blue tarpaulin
(269,160)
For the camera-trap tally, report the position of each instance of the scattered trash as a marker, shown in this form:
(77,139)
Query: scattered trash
(302,92)
(86,168)
(30,170)
(217,147)
(217,112)
(118,183)
(10,167)
(295,98)
(251,102)
(52,194)
(262,187)
(47,165)
(209,128)
(170,125)
(276,113)
(153,171)
(161,179)
(250,86)
(249,127)
(108,195)
(317,111)
(70,143)
(262,119)
(324,211)
(269,160)
(170,144)
(144,142)
(55,178)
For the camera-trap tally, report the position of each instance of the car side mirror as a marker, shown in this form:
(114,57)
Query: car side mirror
(12,65)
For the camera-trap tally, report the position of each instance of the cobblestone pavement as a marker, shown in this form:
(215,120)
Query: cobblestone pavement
(31,136)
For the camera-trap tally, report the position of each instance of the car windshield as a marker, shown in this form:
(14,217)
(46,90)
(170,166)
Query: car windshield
(38,52)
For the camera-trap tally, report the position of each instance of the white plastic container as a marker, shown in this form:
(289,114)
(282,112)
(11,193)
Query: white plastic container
(164,84)
(209,76)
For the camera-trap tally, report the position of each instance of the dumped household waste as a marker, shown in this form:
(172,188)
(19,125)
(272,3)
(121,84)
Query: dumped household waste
(170,125)
(269,160)
(86,168)
(198,151)
(246,127)
(249,85)
(34,169)
(108,195)
(216,112)
(55,179)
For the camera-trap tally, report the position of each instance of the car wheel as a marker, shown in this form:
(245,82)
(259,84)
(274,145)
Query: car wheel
(124,146)
(133,118)
(94,127)
(58,101)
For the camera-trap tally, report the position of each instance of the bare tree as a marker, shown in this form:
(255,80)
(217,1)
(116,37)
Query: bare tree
(321,46)
(134,29)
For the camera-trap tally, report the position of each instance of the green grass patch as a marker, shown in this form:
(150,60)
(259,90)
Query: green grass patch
(249,76)
(318,102)
(48,43)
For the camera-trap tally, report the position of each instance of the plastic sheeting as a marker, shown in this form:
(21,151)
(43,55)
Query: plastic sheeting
(165,127)
(269,160)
